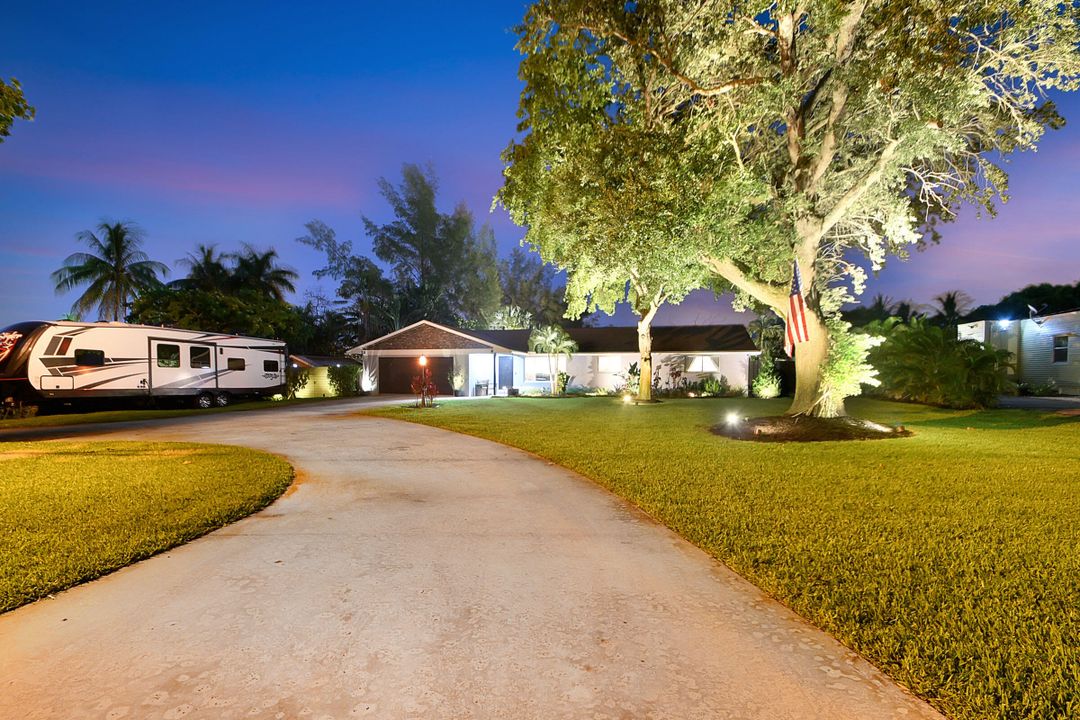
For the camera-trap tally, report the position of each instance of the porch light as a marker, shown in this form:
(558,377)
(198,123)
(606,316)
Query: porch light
(423,360)
(1003,324)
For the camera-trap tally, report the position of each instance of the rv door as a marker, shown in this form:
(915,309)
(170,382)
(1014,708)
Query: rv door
(181,368)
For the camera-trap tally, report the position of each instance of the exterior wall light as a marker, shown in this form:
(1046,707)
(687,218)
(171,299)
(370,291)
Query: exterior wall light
(1004,324)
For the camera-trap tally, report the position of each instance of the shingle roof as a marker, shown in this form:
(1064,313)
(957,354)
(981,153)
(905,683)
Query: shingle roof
(670,339)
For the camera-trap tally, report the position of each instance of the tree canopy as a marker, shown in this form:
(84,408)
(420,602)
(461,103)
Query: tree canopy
(115,271)
(13,106)
(815,132)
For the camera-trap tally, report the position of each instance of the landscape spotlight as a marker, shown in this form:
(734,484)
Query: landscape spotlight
(732,418)
(628,398)
(1003,324)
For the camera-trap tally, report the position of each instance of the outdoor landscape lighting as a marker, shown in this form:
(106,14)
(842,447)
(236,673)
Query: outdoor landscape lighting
(732,418)
(1003,324)
(627,399)
(423,360)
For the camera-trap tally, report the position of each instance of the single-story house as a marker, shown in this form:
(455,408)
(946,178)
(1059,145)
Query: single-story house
(317,368)
(494,361)
(1045,348)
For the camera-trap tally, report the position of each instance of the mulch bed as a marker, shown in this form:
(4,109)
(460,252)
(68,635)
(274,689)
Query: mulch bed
(785,428)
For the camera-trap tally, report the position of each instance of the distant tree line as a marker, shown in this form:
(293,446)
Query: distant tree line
(441,267)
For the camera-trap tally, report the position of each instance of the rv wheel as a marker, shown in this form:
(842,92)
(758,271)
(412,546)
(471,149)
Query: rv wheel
(204,401)
(222,399)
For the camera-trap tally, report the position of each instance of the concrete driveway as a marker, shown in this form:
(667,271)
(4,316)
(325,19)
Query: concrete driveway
(416,573)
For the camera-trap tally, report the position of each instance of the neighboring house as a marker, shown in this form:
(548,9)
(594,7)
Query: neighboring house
(1044,349)
(318,370)
(493,361)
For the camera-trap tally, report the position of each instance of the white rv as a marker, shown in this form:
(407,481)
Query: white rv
(43,361)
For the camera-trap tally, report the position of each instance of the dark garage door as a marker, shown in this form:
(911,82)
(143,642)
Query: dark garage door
(396,373)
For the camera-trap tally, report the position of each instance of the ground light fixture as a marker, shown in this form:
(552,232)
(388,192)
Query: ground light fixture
(627,399)
(732,418)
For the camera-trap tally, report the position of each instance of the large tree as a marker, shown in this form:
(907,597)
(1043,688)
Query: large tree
(115,271)
(849,128)
(13,106)
(528,283)
(259,272)
(444,269)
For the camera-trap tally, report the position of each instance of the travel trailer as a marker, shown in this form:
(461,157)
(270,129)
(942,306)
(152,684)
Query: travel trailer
(67,361)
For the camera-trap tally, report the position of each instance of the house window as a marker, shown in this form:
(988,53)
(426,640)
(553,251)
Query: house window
(270,365)
(702,364)
(537,369)
(200,357)
(168,356)
(92,358)
(1061,348)
(236,364)
(609,364)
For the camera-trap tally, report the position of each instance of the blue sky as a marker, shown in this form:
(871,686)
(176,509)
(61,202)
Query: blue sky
(229,122)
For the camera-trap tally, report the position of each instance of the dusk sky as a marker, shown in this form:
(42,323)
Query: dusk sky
(220,123)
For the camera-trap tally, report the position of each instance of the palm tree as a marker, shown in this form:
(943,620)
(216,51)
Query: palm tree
(553,341)
(206,270)
(259,271)
(951,308)
(115,270)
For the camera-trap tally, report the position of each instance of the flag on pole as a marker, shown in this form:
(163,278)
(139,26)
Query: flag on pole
(796,318)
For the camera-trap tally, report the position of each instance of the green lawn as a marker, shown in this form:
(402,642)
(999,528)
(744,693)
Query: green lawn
(951,559)
(73,511)
(130,414)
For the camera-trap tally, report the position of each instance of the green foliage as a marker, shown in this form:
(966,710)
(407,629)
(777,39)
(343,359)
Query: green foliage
(296,379)
(847,368)
(528,283)
(925,363)
(658,135)
(80,510)
(766,383)
(444,269)
(13,106)
(244,312)
(457,379)
(115,271)
(947,558)
(552,341)
(562,381)
(344,379)
(1045,298)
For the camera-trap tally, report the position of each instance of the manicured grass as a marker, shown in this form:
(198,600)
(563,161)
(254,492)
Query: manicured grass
(73,511)
(135,414)
(951,558)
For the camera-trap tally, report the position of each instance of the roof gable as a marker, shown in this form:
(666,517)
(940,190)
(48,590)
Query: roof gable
(426,335)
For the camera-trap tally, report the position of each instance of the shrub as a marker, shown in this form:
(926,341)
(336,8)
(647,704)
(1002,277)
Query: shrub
(921,362)
(296,379)
(767,381)
(562,381)
(344,379)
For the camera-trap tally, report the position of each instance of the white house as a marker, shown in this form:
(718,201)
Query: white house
(1044,349)
(493,361)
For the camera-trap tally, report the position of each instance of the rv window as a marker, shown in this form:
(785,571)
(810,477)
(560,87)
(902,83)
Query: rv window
(236,363)
(270,365)
(90,357)
(200,357)
(168,356)
(1061,349)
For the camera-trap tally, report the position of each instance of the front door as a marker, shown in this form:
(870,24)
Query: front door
(506,371)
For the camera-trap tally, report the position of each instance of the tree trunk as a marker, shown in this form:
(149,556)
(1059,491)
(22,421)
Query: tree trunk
(644,339)
(810,360)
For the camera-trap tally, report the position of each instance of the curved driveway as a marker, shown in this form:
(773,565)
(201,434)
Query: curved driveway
(416,573)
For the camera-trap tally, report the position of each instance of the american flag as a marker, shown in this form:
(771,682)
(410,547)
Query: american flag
(796,318)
